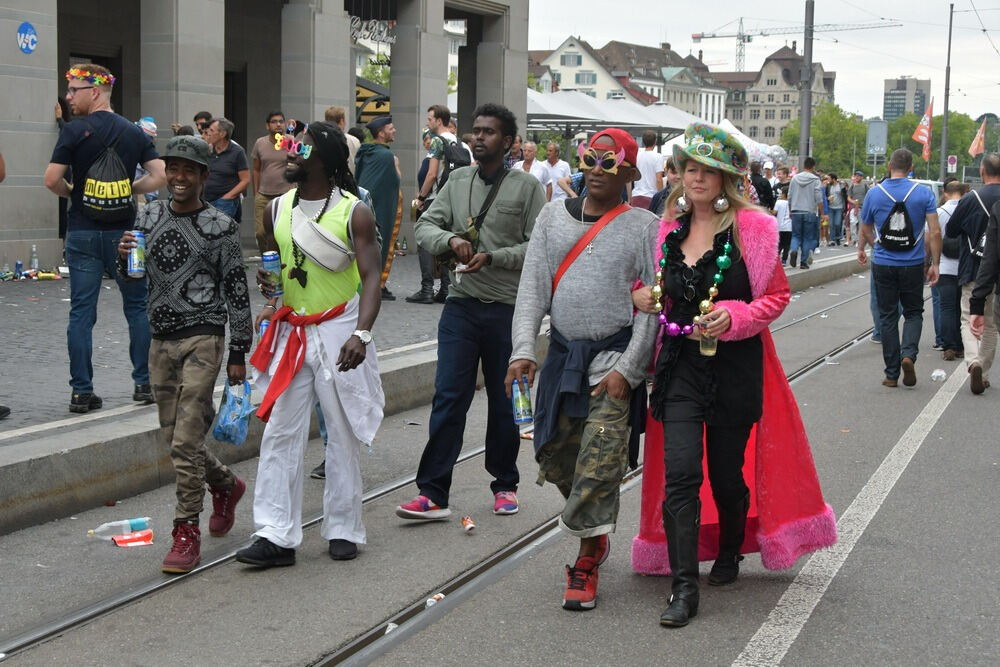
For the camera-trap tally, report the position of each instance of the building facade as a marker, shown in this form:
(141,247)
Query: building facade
(761,104)
(905,95)
(240,59)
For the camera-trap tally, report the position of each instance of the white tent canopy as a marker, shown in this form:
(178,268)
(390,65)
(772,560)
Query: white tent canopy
(756,151)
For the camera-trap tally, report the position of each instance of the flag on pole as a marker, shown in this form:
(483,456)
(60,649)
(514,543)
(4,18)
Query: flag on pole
(979,143)
(922,134)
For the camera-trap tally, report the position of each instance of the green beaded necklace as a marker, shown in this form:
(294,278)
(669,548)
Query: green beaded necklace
(723,262)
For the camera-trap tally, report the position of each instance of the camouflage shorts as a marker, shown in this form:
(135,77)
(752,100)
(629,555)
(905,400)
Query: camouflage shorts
(587,459)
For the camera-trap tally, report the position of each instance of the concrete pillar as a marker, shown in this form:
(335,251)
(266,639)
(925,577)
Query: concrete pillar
(419,78)
(30,83)
(502,61)
(317,70)
(182,61)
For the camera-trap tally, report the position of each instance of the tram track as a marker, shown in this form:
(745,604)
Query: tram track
(50,628)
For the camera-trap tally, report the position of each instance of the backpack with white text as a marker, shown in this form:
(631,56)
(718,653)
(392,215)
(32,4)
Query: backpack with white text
(107,187)
(897,233)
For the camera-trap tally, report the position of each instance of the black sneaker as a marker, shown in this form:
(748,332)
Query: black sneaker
(793,258)
(421,297)
(264,553)
(319,472)
(343,550)
(84,403)
(441,296)
(143,394)
(4,412)
(387,295)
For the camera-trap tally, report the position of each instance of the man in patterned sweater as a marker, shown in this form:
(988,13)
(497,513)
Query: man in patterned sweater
(196,280)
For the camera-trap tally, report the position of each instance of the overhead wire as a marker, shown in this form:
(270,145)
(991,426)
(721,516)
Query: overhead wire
(985,31)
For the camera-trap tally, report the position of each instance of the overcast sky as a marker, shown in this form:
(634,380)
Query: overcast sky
(861,58)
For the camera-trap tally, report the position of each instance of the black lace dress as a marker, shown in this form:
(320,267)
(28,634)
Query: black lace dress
(726,388)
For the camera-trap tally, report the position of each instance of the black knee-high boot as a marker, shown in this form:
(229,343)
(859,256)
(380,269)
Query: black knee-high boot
(732,527)
(682,548)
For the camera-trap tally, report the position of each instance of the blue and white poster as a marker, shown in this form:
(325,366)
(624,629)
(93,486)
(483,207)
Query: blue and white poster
(27,38)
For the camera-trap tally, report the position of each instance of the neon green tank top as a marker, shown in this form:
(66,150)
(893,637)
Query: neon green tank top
(324,289)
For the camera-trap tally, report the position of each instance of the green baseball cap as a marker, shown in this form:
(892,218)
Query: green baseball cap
(189,148)
(713,147)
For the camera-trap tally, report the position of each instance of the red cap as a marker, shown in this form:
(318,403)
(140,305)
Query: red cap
(622,140)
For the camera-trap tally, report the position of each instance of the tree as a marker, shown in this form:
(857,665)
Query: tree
(376,73)
(452,82)
(961,130)
(838,139)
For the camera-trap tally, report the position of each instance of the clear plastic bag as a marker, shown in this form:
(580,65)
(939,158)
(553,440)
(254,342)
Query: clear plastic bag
(234,414)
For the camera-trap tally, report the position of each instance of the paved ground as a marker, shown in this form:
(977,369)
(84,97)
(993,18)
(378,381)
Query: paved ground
(34,367)
(904,586)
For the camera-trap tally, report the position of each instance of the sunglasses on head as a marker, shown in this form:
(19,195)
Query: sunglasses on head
(608,160)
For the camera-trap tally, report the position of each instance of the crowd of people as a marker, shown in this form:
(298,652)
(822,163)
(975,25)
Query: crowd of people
(650,268)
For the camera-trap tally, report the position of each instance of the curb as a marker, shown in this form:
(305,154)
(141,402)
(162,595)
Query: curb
(87,463)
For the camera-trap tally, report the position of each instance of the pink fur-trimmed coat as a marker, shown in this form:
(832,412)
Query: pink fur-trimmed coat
(788,516)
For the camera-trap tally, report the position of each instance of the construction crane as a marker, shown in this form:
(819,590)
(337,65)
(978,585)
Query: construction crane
(744,36)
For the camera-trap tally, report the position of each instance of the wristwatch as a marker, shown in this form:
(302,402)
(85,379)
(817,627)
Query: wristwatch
(364,336)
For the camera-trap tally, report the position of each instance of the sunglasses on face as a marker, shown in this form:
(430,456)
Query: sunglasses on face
(608,160)
(291,146)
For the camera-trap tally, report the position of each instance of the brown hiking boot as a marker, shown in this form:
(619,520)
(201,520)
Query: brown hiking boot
(185,554)
(224,507)
(888,383)
(976,382)
(909,373)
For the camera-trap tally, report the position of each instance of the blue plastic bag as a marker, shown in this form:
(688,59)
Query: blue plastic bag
(234,414)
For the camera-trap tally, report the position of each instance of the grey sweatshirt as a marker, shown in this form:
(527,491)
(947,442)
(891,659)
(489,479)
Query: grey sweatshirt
(805,192)
(594,298)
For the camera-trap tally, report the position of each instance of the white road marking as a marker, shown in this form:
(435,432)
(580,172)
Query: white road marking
(772,640)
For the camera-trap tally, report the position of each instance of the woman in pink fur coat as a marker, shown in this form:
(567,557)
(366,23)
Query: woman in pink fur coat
(717,382)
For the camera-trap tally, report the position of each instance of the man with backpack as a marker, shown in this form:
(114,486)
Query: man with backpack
(103,149)
(968,224)
(446,155)
(893,219)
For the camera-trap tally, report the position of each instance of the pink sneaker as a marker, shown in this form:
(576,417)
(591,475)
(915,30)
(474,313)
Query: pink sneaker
(422,509)
(505,502)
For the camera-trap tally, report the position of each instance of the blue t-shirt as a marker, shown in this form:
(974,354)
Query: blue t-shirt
(82,142)
(877,207)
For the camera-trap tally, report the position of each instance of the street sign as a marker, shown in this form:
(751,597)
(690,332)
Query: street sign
(952,164)
(878,137)
(875,160)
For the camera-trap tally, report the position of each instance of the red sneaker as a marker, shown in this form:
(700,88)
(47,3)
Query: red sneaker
(581,585)
(185,555)
(224,507)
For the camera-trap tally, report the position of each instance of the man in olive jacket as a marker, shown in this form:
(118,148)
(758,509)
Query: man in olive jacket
(475,325)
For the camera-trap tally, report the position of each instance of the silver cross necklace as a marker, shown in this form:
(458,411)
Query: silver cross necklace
(590,246)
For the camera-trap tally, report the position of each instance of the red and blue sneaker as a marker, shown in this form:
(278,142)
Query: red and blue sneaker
(422,508)
(505,502)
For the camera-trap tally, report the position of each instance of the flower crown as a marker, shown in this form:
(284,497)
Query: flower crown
(96,78)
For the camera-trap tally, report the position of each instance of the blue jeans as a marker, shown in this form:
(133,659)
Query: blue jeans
(805,234)
(899,286)
(470,332)
(227,206)
(836,225)
(89,254)
(950,294)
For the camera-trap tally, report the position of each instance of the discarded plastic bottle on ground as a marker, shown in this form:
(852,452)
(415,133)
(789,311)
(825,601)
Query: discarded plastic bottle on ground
(939,375)
(108,530)
(33,260)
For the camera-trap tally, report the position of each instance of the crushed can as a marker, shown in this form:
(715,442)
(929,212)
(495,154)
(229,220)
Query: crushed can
(468,525)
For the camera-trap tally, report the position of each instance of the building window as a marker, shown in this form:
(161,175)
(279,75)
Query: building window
(755,98)
(769,133)
(754,114)
(571,59)
(589,92)
(786,98)
(453,47)
(770,97)
(557,77)
(737,114)
(786,114)
(586,78)
(753,132)
(772,82)
(769,114)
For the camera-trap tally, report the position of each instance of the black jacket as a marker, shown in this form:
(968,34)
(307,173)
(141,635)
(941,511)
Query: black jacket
(764,191)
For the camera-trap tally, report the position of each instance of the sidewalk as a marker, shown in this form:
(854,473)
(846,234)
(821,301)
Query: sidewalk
(34,366)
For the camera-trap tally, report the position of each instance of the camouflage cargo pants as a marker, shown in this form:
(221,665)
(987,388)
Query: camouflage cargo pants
(586,460)
(183,373)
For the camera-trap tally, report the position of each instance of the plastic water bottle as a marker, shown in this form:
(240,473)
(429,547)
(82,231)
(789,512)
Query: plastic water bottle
(108,530)
(33,260)
(939,375)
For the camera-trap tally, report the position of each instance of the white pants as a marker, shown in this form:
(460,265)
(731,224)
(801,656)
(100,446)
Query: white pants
(976,350)
(277,503)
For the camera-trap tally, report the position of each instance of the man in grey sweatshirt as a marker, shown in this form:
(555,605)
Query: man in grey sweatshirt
(592,387)
(805,201)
